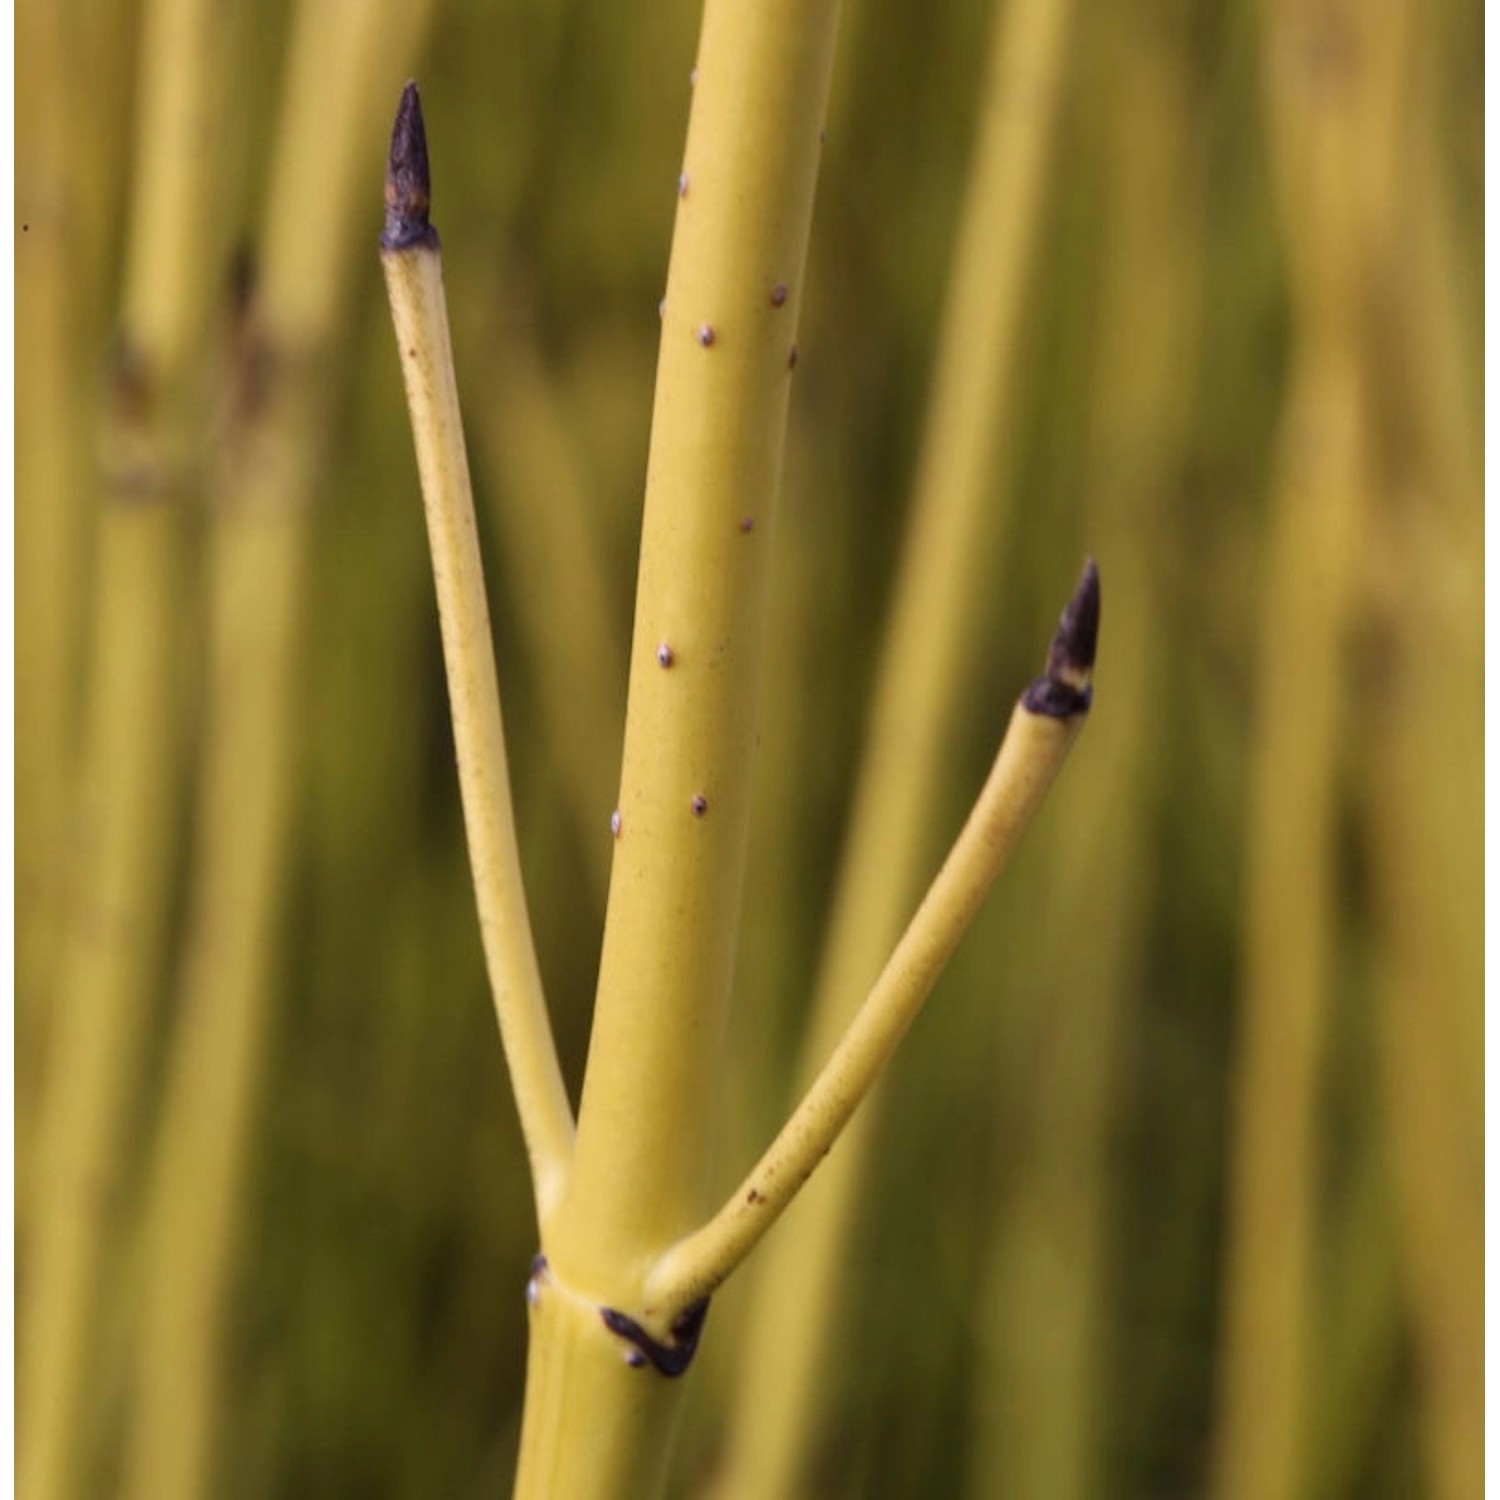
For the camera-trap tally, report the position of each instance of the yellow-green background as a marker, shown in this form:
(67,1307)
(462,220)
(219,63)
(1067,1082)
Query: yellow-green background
(374,1341)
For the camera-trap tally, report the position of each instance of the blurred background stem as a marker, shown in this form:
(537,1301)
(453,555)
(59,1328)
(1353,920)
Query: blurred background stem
(1332,76)
(341,69)
(551,544)
(1040,1400)
(286,1050)
(1423,780)
(51,524)
(126,817)
(953,550)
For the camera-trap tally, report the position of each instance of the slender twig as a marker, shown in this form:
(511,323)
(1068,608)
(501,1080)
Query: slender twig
(1042,729)
(414,279)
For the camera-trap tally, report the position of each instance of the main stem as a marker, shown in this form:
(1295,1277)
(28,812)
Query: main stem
(597,1423)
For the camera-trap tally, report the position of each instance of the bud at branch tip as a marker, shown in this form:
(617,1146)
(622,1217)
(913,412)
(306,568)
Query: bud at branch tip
(1065,688)
(408,183)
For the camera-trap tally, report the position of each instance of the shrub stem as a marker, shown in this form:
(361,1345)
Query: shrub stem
(1042,729)
(414,280)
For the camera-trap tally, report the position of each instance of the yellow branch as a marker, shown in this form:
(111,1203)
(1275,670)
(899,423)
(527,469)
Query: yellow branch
(414,279)
(1042,730)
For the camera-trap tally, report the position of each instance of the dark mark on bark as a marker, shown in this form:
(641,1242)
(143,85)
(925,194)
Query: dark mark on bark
(671,1359)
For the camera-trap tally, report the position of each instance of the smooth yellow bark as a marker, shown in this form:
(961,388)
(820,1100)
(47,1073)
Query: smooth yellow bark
(414,279)
(727,355)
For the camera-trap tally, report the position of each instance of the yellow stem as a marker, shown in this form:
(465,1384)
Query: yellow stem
(1046,1294)
(341,67)
(51,532)
(1429,851)
(1439,1185)
(728,348)
(200,1157)
(113,953)
(105,52)
(1030,756)
(1424,749)
(414,279)
(1330,86)
(1358,1324)
(1288,917)
(727,353)
(132,752)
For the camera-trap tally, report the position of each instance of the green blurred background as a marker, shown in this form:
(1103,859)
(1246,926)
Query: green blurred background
(1255,894)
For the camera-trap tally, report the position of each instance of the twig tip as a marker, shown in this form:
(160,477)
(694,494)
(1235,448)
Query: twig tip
(408,181)
(1065,688)
(1077,638)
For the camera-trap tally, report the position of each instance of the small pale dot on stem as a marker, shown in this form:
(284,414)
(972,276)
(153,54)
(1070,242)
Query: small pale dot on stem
(699,805)
(614,822)
(778,294)
(665,655)
(705,334)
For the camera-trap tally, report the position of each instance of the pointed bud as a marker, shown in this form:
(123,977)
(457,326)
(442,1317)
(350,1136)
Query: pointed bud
(408,185)
(1065,688)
